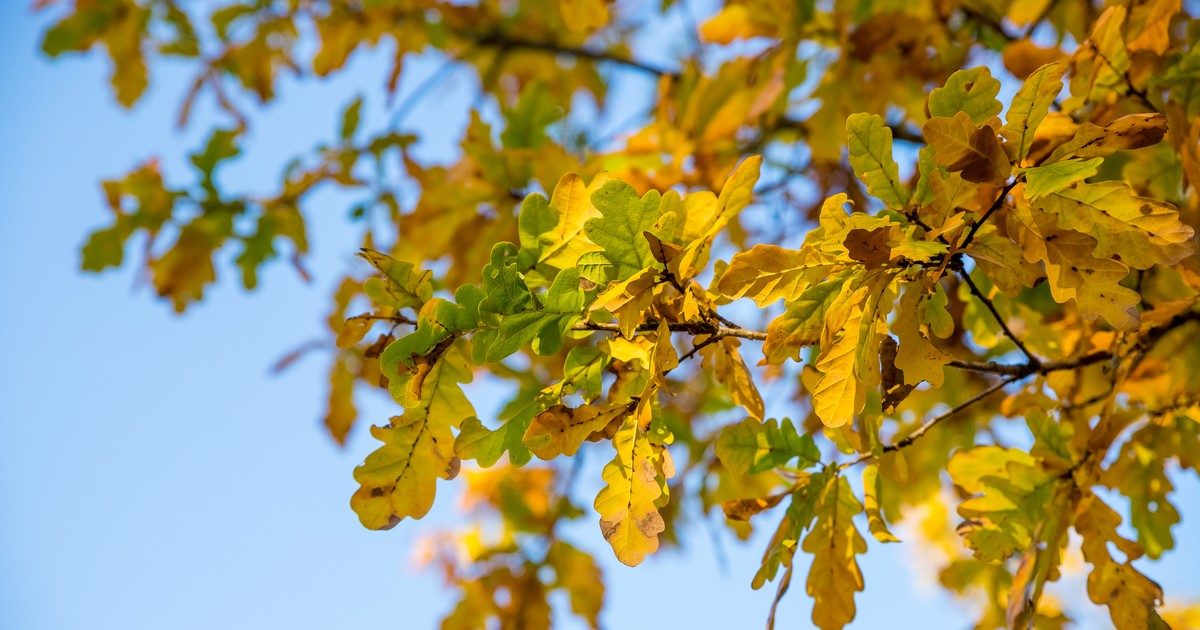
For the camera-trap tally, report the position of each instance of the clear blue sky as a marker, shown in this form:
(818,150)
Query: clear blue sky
(154,475)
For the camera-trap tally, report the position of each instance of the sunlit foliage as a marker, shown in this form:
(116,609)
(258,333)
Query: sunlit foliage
(956,237)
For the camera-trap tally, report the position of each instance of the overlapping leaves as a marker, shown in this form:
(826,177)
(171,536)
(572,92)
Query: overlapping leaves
(1035,265)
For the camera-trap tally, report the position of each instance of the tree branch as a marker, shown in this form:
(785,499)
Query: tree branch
(398,319)
(899,132)
(936,420)
(991,23)
(700,346)
(505,41)
(694,328)
(1019,372)
(1153,336)
(987,367)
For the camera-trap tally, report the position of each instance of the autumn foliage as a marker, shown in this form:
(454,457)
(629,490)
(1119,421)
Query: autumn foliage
(955,239)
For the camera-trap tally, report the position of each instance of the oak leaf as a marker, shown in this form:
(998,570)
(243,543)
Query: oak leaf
(629,516)
(834,575)
(870,144)
(962,147)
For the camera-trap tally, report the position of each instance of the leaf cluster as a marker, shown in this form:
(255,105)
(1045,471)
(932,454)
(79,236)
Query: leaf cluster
(981,318)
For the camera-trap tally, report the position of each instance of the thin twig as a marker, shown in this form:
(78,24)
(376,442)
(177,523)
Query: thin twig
(694,328)
(988,21)
(1032,359)
(425,88)
(987,367)
(1152,337)
(996,205)
(936,420)
(507,41)
(700,346)
(399,319)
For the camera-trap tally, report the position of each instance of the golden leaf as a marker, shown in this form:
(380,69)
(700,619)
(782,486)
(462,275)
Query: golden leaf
(919,359)
(1132,131)
(834,542)
(767,273)
(731,370)
(561,430)
(629,517)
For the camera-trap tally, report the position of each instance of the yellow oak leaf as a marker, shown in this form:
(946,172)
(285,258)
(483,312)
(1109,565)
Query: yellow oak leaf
(1132,131)
(1099,65)
(664,358)
(1003,261)
(629,517)
(834,575)
(743,509)
(627,350)
(1131,597)
(566,242)
(767,273)
(1023,57)
(919,359)
(576,572)
(1148,27)
(731,370)
(707,217)
(182,273)
(848,363)
(1074,273)
(584,16)
(733,22)
(398,480)
(1137,230)
(871,491)
(561,430)
(628,299)
(802,321)
(340,411)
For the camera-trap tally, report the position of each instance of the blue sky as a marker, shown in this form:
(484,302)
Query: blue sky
(154,474)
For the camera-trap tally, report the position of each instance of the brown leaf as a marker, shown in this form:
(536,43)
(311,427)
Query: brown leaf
(743,509)
(1125,133)
(962,147)
(869,247)
(891,378)
(664,253)
(1022,57)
